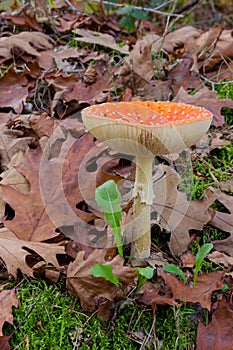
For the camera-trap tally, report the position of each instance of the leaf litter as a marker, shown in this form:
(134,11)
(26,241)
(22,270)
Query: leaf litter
(43,83)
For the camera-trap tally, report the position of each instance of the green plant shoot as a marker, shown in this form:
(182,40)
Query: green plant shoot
(108,197)
(105,271)
(144,274)
(201,255)
(171,268)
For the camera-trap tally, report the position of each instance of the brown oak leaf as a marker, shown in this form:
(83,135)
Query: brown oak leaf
(7,300)
(223,221)
(206,284)
(177,214)
(218,334)
(90,289)
(14,252)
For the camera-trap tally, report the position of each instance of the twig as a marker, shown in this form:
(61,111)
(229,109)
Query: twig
(22,321)
(155,10)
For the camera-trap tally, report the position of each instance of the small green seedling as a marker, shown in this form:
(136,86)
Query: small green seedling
(105,271)
(201,255)
(108,197)
(171,268)
(144,274)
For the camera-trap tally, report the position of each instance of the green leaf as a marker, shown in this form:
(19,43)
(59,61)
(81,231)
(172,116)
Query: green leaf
(139,14)
(126,10)
(171,268)
(201,255)
(146,272)
(105,271)
(108,197)
(128,23)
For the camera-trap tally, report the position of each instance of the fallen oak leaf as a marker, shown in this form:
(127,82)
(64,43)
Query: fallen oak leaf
(219,258)
(25,19)
(13,91)
(218,334)
(223,221)
(31,221)
(153,294)
(206,284)
(27,42)
(88,288)
(178,214)
(7,300)
(14,252)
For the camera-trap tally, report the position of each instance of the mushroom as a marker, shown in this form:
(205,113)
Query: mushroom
(145,130)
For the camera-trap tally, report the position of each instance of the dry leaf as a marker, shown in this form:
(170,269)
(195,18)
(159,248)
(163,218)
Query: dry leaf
(177,214)
(13,91)
(220,259)
(218,334)
(223,221)
(4,342)
(89,36)
(138,69)
(90,289)
(14,253)
(7,300)
(11,142)
(206,284)
(27,42)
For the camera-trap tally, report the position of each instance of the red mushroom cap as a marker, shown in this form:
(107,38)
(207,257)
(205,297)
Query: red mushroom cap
(138,127)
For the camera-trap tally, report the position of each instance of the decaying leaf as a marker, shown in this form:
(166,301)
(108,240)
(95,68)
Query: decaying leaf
(90,289)
(7,300)
(218,334)
(14,252)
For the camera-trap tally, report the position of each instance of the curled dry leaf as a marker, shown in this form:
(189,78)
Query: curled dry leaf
(215,45)
(90,289)
(29,42)
(218,334)
(138,69)
(7,300)
(14,252)
(220,259)
(11,142)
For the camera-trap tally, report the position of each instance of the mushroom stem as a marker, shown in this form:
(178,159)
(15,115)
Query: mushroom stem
(143,198)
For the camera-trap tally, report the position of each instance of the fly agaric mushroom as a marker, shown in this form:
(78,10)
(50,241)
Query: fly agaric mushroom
(145,130)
